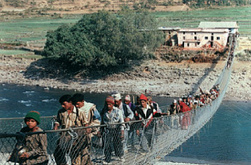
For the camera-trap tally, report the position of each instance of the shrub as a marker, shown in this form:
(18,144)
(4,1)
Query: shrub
(102,40)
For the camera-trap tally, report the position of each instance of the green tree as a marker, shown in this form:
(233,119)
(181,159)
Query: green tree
(103,40)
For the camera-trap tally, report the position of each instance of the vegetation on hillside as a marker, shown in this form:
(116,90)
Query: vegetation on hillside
(205,3)
(151,4)
(45,7)
(103,40)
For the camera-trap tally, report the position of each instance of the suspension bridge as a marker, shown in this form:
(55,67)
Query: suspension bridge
(167,134)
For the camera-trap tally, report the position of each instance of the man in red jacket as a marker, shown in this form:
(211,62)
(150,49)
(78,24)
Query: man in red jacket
(185,119)
(183,106)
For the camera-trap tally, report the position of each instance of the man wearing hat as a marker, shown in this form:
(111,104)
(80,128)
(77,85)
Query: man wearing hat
(128,101)
(36,144)
(174,108)
(127,115)
(190,101)
(114,132)
(146,113)
(131,132)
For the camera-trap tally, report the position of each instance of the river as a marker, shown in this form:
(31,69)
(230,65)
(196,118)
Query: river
(225,139)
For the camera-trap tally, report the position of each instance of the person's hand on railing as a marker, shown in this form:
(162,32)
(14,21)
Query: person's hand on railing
(137,132)
(88,130)
(25,155)
(127,119)
(56,126)
(122,135)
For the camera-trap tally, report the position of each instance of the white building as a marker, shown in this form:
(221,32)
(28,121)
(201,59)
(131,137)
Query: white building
(197,38)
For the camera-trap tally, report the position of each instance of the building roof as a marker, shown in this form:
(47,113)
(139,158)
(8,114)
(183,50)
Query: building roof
(218,25)
(207,30)
(168,28)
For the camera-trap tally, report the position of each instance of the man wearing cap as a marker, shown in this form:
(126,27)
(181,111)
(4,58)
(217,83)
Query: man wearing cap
(114,132)
(35,151)
(67,117)
(131,132)
(127,115)
(195,104)
(189,101)
(128,101)
(146,112)
(174,108)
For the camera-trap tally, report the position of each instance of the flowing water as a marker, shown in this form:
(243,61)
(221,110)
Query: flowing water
(225,139)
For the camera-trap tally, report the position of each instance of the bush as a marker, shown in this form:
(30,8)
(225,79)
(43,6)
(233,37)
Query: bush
(103,40)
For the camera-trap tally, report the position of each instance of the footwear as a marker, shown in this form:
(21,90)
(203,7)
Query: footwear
(121,159)
(142,152)
(105,162)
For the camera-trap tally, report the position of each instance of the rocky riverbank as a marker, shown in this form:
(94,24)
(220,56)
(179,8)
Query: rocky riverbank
(157,78)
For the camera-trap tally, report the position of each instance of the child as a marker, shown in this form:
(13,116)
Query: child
(36,144)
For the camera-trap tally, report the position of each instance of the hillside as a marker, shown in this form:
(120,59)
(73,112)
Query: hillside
(51,7)
(44,7)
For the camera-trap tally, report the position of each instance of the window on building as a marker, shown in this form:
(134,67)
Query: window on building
(212,34)
(206,38)
(184,33)
(195,38)
(195,33)
(187,44)
(184,37)
(218,38)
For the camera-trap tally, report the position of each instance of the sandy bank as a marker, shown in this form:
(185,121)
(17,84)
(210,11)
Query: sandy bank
(159,78)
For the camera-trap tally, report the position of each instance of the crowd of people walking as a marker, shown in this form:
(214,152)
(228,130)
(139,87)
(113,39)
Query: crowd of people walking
(124,121)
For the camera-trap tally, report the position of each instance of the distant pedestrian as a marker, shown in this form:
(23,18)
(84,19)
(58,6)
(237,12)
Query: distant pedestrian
(128,115)
(113,134)
(132,131)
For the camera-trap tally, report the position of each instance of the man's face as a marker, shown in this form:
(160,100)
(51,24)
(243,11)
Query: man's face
(79,104)
(143,103)
(109,106)
(67,105)
(117,103)
(127,102)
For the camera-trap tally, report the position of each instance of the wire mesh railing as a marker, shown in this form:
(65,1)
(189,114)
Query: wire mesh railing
(66,146)
(82,146)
